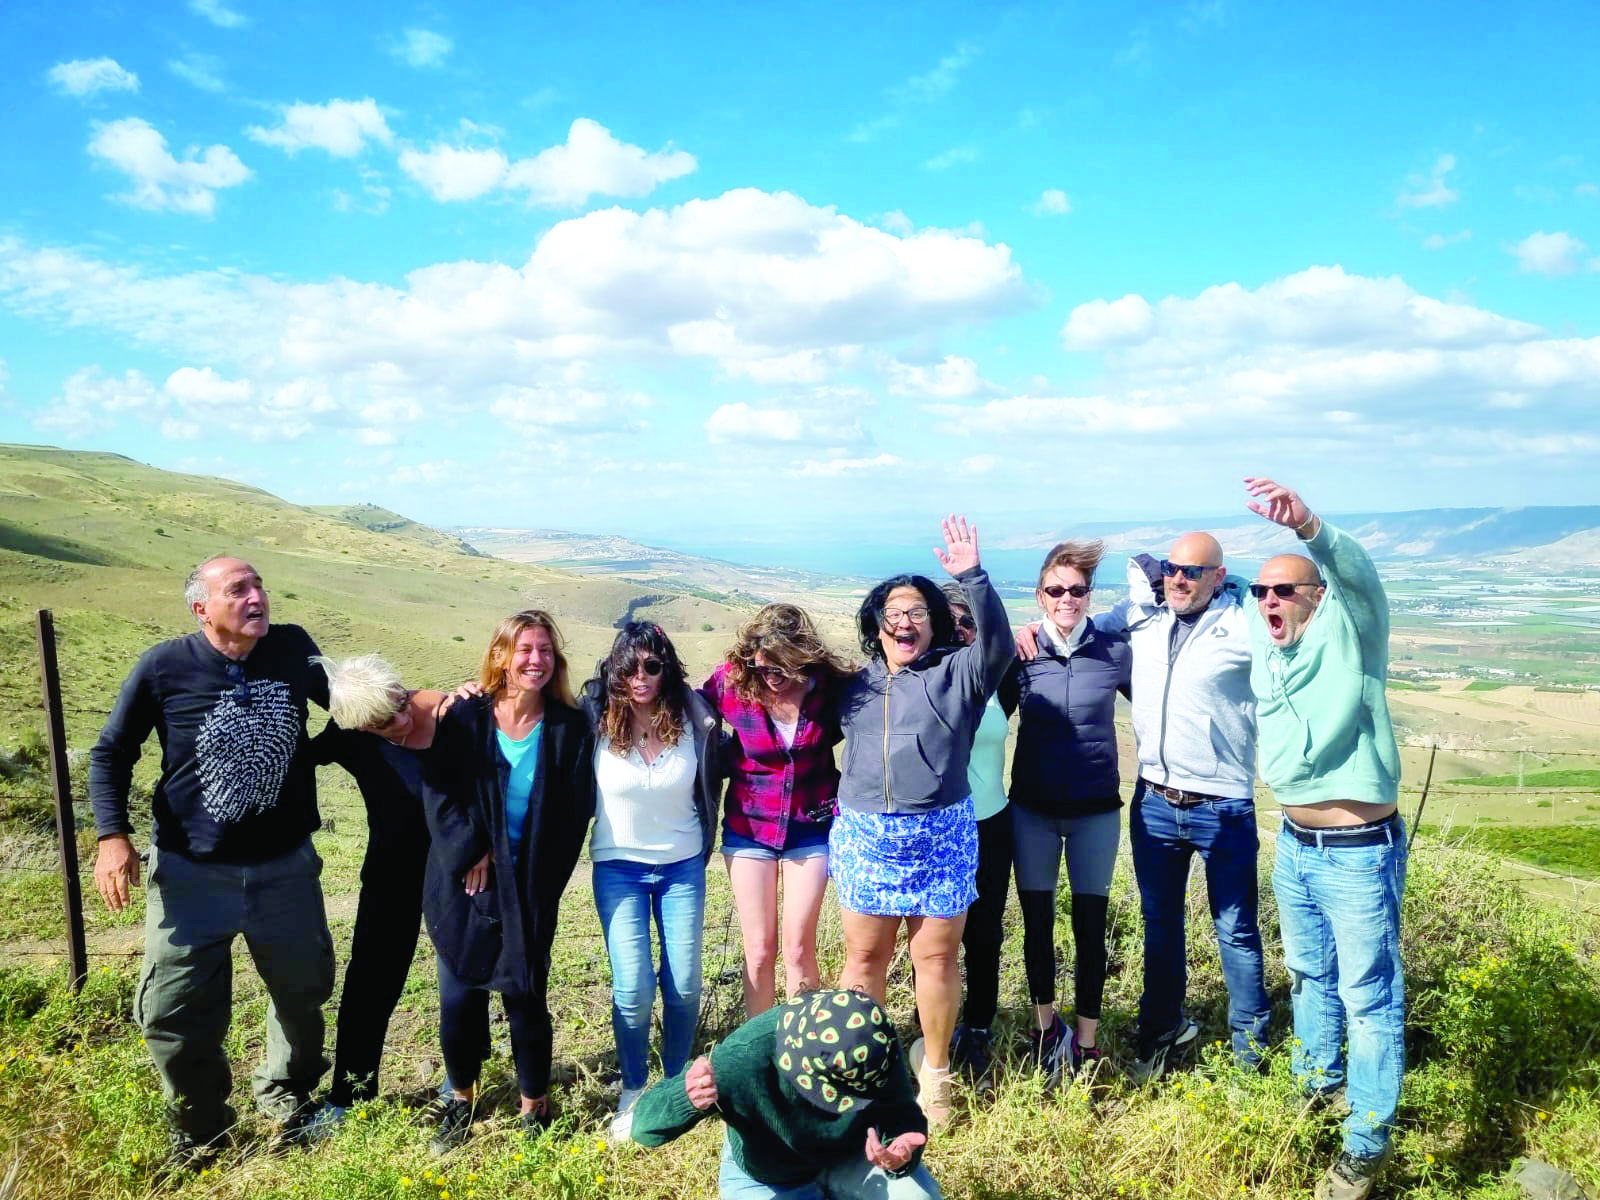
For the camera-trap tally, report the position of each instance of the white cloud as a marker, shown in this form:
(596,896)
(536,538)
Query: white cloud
(204,71)
(953,378)
(161,181)
(783,424)
(91,401)
(374,198)
(454,173)
(1439,241)
(423,48)
(593,162)
(921,89)
(837,468)
(86,76)
(953,157)
(571,410)
(1100,324)
(341,127)
(218,13)
(980,464)
(1549,253)
(1052,202)
(1430,190)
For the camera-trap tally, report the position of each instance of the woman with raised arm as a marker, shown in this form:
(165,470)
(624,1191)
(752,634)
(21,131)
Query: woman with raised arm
(775,690)
(509,795)
(904,847)
(658,780)
(1064,795)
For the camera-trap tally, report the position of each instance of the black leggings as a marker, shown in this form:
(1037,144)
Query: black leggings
(464,1033)
(1089,943)
(984,933)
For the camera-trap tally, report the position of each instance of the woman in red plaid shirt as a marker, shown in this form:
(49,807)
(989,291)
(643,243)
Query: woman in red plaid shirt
(775,692)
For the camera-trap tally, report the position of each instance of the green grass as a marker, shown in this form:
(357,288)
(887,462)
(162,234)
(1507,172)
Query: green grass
(1567,848)
(1565,778)
(1483,685)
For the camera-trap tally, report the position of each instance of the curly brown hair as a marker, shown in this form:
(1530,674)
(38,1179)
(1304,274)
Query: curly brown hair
(668,717)
(786,637)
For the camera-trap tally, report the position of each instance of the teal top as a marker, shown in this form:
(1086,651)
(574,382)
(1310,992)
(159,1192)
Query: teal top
(1321,705)
(987,767)
(523,757)
(776,1136)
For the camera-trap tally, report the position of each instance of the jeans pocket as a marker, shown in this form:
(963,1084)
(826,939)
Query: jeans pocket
(1358,860)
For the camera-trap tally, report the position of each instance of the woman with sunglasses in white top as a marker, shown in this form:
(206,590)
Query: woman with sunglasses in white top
(658,781)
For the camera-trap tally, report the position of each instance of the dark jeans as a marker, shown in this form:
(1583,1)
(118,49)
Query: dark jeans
(193,912)
(388,920)
(464,1030)
(1223,834)
(984,934)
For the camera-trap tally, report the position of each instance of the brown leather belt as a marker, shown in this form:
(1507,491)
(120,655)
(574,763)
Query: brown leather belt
(1179,798)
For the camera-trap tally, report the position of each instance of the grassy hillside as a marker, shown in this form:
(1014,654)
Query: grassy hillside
(105,542)
(382,520)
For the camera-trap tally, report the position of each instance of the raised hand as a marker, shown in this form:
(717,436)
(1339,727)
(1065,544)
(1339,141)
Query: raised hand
(1276,503)
(960,551)
(897,1153)
(700,1082)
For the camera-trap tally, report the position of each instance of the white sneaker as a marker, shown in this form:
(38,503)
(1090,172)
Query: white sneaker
(622,1123)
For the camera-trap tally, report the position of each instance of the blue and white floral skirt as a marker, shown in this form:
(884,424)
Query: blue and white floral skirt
(905,864)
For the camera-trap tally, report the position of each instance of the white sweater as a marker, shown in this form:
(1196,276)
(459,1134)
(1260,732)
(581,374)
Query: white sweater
(644,812)
(1195,716)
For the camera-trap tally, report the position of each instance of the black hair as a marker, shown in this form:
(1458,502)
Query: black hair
(869,618)
(614,670)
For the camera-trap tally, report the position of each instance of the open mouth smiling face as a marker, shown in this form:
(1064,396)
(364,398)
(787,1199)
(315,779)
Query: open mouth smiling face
(906,630)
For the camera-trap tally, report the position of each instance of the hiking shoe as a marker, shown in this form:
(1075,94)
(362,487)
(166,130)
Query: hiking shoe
(539,1118)
(969,1051)
(1086,1060)
(324,1123)
(188,1152)
(935,1096)
(294,1129)
(455,1127)
(1154,1062)
(1051,1049)
(1332,1103)
(1351,1176)
(622,1123)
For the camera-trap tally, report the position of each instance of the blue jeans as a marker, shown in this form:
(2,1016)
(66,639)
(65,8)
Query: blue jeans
(850,1180)
(1340,911)
(1165,838)
(628,894)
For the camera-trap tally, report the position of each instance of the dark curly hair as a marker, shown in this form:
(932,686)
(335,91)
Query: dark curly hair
(616,668)
(869,617)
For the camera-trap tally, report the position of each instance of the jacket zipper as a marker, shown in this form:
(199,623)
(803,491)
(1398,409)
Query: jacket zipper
(1166,688)
(888,801)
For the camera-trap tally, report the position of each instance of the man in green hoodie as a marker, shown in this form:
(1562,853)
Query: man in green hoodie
(816,1101)
(1320,663)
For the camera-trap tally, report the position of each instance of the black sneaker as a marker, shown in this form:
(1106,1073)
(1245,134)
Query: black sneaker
(1086,1060)
(1351,1177)
(1051,1049)
(1155,1059)
(969,1051)
(542,1116)
(455,1127)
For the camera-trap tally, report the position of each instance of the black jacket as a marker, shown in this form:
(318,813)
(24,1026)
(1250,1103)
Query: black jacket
(1065,763)
(501,937)
(705,723)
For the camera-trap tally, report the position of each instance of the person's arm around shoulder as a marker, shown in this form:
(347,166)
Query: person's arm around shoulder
(675,1106)
(111,762)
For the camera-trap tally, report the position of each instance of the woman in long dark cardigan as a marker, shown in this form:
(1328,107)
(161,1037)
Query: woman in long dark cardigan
(509,798)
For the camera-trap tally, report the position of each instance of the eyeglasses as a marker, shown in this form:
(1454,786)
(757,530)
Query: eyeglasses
(774,676)
(241,686)
(1078,591)
(966,623)
(1189,571)
(1281,590)
(893,616)
(651,667)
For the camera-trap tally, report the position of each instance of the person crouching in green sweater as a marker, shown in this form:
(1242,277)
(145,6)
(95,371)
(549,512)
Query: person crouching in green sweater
(816,1100)
(1320,663)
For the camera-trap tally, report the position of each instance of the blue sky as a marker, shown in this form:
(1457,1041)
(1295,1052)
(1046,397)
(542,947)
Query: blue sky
(719,272)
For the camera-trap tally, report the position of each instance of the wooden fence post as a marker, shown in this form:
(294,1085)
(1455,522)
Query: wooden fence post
(61,786)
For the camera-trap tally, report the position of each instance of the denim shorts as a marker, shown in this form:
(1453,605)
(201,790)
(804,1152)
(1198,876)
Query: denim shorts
(811,842)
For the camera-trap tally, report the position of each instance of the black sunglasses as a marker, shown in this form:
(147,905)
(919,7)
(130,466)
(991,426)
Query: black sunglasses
(652,667)
(775,676)
(1282,590)
(1189,571)
(966,623)
(241,686)
(1055,591)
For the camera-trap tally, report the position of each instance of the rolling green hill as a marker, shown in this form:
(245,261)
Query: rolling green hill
(105,542)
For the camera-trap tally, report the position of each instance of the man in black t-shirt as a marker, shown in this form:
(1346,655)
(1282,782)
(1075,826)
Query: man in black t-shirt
(233,812)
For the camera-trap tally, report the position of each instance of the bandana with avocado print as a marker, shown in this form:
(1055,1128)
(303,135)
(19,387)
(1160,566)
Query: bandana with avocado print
(836,1048)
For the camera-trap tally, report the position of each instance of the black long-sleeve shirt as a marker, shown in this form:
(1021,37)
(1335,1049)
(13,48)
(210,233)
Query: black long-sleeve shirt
(237,783)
